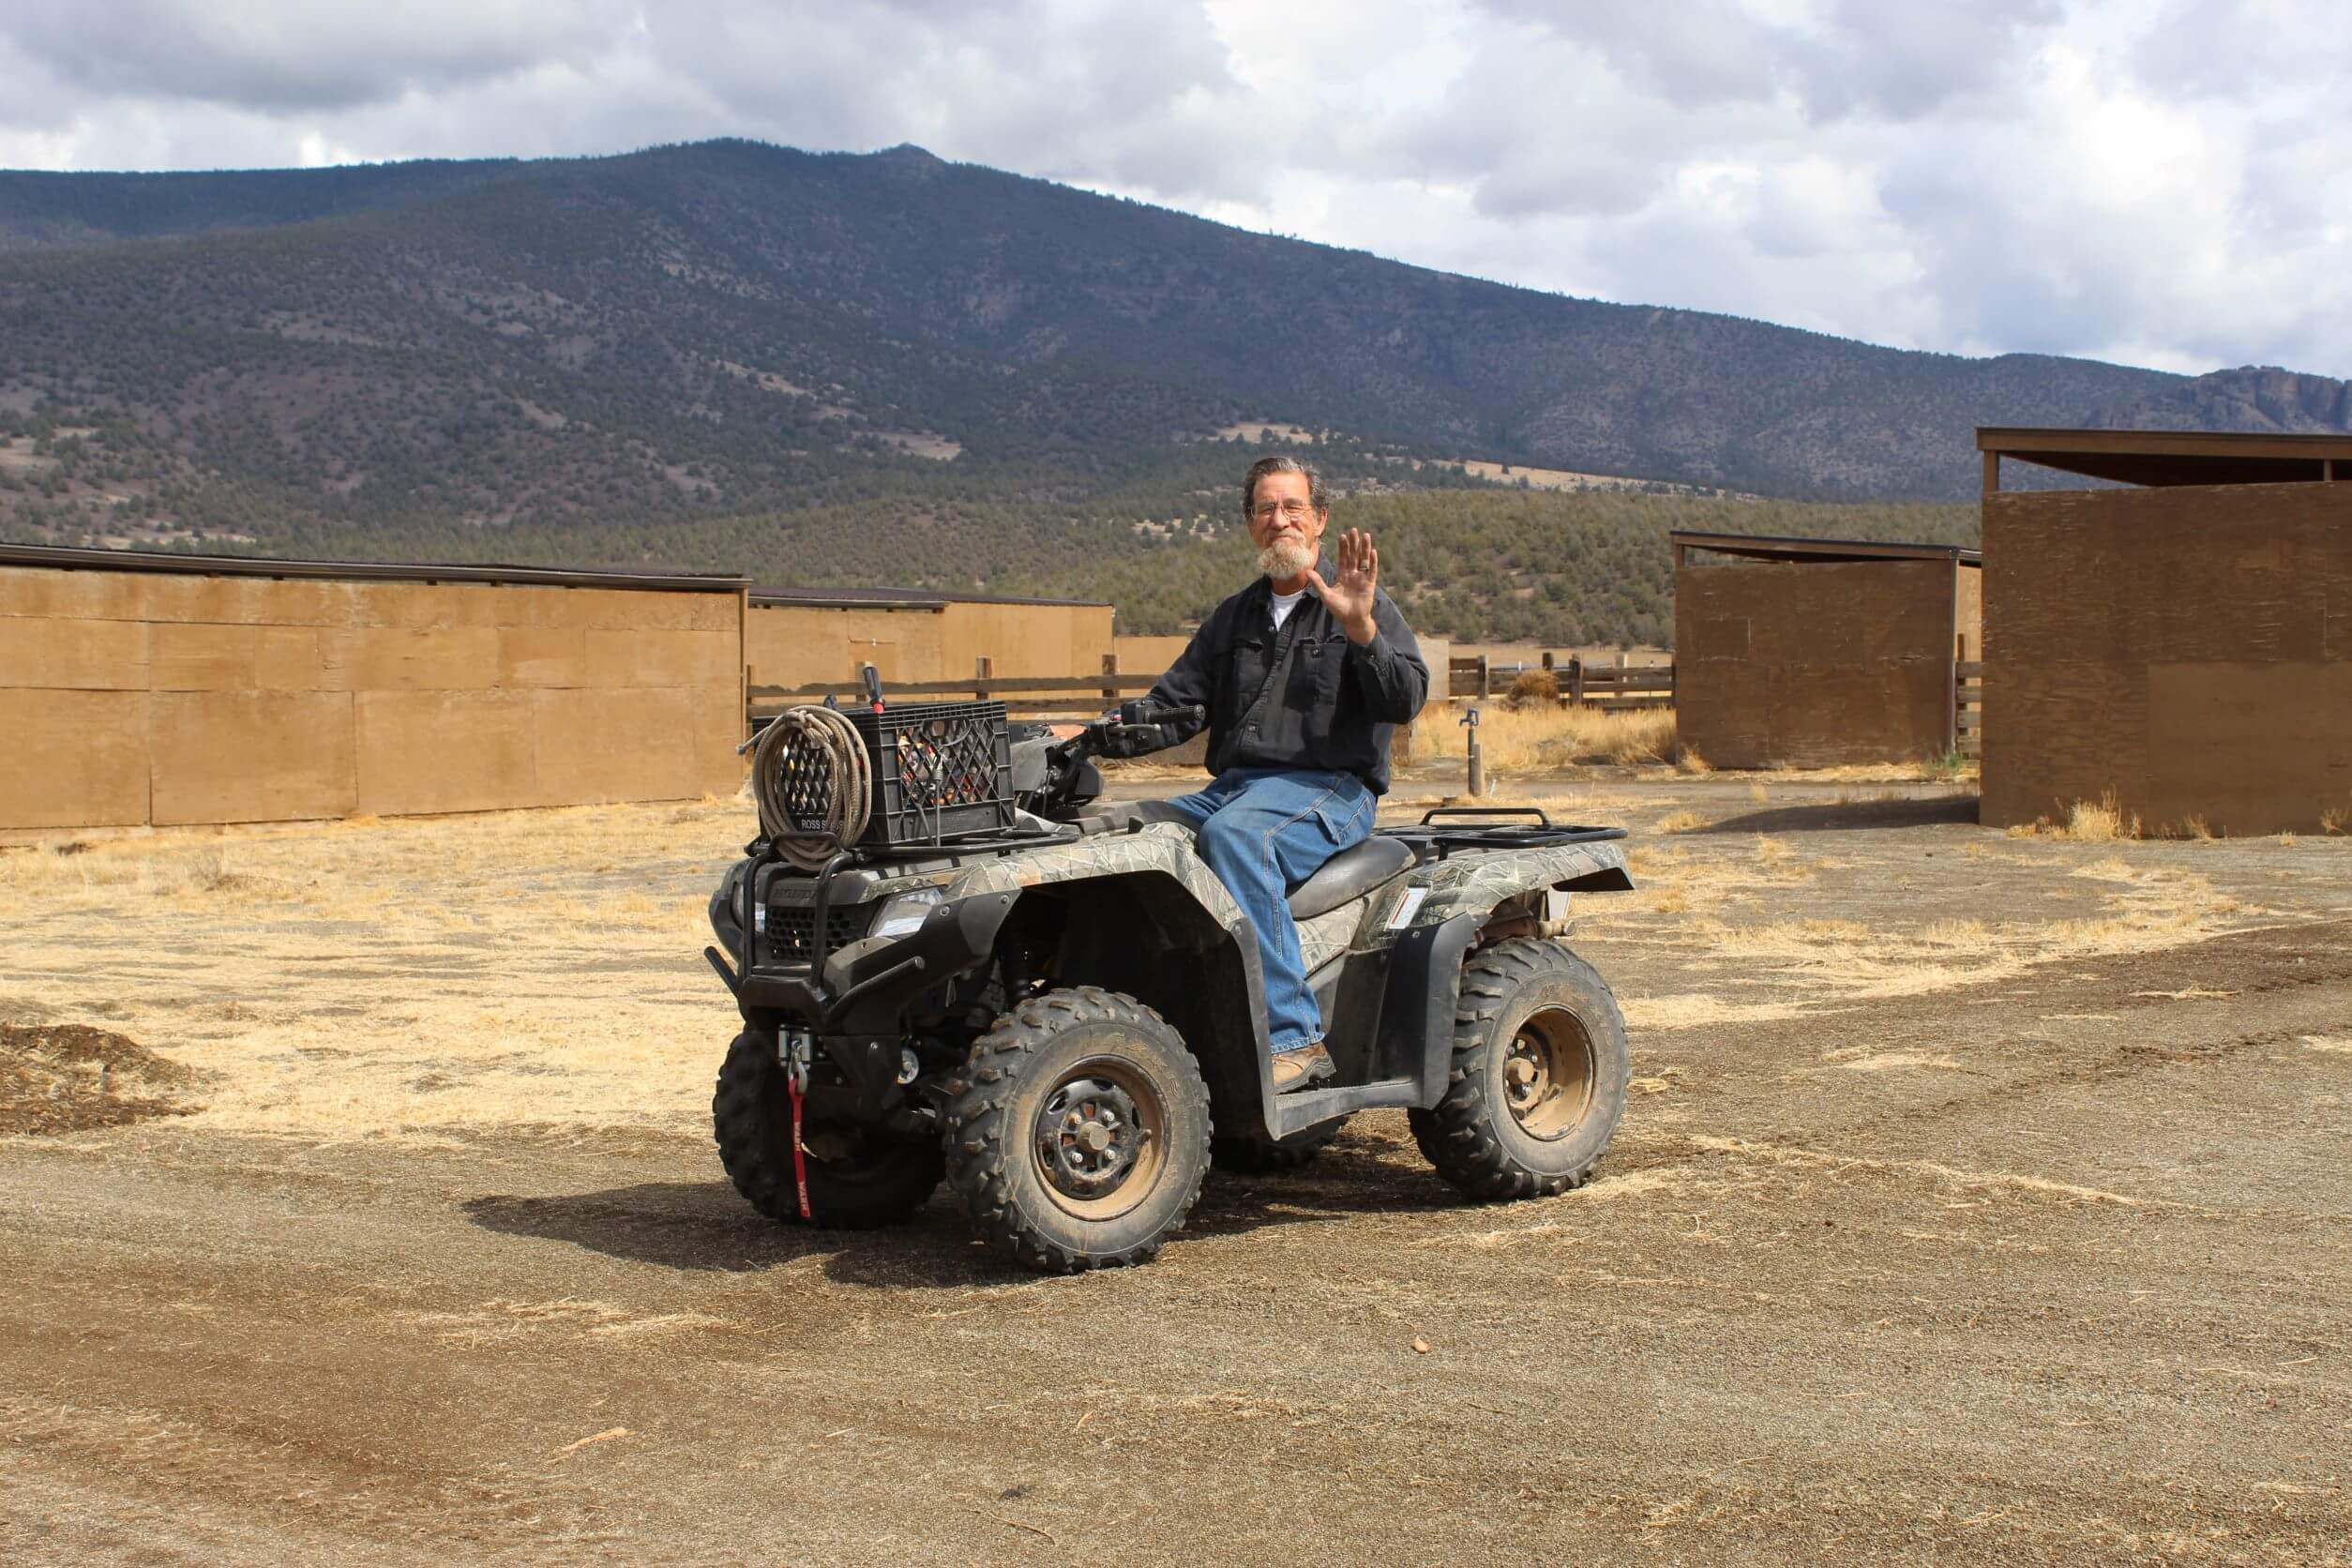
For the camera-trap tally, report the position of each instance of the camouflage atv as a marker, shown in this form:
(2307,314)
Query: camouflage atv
(1062,1018)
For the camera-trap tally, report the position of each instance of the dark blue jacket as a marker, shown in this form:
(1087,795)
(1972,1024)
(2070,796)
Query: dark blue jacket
(1304,697)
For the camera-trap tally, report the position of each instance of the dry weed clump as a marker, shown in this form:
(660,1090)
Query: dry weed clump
(1534,688)
(2100,822)
(2332,820)
(1682,822)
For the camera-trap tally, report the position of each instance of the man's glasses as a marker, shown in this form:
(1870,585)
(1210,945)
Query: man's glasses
(1290,511)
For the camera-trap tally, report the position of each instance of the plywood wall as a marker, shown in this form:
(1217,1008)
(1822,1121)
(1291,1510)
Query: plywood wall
(792,646)
(1025,639)
(137,697)
(1815,665)
(2187,649)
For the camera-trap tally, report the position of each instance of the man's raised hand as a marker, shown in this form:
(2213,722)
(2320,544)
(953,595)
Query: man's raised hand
(1350,593)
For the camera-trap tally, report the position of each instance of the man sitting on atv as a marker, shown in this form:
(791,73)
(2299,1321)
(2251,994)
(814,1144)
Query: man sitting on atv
(1304,676)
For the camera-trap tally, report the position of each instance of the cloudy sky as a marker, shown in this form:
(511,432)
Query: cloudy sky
(2153,181)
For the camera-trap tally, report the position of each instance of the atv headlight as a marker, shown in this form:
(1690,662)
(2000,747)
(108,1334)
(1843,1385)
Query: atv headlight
(903,915)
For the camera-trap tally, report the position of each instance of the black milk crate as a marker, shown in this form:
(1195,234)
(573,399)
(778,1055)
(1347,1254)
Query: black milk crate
(940,770)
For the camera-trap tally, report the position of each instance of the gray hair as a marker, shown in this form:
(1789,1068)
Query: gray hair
(1317,496)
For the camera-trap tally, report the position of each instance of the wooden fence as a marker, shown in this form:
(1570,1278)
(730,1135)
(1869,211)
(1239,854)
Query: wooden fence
(1597,685)
(1615,685)
(1039,695)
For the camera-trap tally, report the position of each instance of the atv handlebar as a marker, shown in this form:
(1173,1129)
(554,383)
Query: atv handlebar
(1141,728)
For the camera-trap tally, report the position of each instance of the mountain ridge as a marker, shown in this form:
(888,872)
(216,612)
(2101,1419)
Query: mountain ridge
(729,328)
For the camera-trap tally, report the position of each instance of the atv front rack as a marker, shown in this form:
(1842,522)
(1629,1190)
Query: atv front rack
(1431,838)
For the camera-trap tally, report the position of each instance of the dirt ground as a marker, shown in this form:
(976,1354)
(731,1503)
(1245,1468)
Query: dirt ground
(1982,1200)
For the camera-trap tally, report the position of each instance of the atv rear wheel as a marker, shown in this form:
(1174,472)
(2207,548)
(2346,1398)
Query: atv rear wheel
(1078,1131)
(858,1178)
(1539,1074)
(1254,1156)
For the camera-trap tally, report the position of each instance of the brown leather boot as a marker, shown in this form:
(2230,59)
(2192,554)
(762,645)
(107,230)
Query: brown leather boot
(1296,1069)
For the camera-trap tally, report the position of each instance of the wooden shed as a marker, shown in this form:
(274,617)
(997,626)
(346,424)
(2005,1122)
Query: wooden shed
(2178,638)
(141,688)
(797,636)
(1816,653)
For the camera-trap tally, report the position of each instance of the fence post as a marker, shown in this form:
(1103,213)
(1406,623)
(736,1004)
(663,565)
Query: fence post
(1485,678)
(982,668)
(1576,678)
(1110,689)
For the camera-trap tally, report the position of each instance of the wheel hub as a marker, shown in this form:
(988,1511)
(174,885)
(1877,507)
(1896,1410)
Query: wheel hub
(1089,1137)
(1548,1075)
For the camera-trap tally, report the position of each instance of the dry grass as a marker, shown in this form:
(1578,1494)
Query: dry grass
(1929,770)
(1792,966)
(1540,736)
(395,979)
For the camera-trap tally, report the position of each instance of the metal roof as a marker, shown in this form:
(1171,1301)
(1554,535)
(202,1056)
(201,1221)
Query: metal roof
(365,571)
(2170,457)
(899,598)
(1756,547)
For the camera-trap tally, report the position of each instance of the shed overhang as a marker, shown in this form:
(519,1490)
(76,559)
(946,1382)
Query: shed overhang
(2159,458)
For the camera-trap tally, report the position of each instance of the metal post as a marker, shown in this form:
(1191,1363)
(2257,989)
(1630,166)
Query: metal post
(1477,762)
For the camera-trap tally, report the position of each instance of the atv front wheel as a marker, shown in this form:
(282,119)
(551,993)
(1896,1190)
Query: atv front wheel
(1256,1156)
(1078,1131)
(858,1178)
(1539,1074)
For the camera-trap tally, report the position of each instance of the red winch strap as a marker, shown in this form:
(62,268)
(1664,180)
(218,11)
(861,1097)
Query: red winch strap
(800,1151)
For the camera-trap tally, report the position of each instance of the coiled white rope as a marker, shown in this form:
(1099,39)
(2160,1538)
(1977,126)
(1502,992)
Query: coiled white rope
(849,796)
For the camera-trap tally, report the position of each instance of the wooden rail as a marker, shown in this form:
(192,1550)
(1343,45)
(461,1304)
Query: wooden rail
(994,685)
(1579,684)
(1969,706)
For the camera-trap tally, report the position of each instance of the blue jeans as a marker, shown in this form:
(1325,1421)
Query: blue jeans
(1263,831)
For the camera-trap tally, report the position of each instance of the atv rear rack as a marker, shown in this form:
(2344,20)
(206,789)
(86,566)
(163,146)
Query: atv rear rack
(1430,837)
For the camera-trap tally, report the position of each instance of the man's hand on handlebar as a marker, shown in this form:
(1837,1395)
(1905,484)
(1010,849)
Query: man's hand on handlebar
(1143,727)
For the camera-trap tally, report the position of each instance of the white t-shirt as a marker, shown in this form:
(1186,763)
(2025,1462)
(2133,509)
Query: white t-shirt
(1283,604)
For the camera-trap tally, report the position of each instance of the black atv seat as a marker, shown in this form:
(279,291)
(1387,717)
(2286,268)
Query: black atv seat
(1350,874)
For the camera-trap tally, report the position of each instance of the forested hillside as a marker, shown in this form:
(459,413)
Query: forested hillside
(886,368)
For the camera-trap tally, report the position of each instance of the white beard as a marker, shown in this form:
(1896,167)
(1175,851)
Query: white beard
(1286,558)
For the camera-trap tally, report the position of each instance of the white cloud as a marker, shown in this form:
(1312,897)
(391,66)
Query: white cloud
(2141,179)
